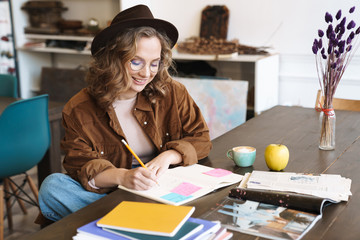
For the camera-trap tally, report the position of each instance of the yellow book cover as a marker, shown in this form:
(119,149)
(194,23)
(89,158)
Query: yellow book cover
(148,218)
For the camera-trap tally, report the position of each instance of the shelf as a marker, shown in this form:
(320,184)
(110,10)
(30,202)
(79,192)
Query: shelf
(59,37)
(39,48)
(262,73)
(33,55)
(54,50)
(227,57)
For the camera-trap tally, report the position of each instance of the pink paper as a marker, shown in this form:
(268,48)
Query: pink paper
(218,172)
(186,189)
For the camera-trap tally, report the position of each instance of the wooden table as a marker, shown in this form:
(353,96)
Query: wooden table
(298,129)
(51,162)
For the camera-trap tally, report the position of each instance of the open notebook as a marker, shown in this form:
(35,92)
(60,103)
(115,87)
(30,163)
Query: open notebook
(180,185)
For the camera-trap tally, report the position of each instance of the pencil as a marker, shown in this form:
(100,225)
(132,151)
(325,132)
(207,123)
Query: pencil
(136,156)
(133,153)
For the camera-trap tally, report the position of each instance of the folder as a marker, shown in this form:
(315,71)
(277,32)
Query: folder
(147,218)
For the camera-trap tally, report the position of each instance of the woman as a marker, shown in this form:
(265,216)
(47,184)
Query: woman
(130,96)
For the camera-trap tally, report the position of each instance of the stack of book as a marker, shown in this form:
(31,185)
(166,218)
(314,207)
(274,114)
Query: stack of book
(140,220)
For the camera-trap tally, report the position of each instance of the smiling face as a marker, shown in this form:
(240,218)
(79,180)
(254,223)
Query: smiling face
(143,67)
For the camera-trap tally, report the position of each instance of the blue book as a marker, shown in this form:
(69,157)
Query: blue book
(209,228)
(92,231)
(188,229)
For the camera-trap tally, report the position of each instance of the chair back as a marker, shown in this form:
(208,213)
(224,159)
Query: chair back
(339,103)
(8,86)
(24,135)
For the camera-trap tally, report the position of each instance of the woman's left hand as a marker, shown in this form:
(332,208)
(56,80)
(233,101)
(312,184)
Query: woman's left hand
(161,163)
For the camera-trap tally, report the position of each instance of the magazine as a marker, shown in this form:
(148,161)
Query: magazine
(279,205)
(296,201)
(262,219)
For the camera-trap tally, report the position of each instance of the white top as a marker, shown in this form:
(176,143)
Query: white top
(135,135)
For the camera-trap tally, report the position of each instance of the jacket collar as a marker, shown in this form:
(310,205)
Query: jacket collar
(142,103)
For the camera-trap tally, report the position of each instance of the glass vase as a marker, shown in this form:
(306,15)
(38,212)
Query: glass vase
(327,129)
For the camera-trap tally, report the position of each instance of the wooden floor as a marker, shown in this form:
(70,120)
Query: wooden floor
(23,225)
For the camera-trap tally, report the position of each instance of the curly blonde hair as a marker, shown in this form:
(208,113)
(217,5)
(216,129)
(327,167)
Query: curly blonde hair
(108,77)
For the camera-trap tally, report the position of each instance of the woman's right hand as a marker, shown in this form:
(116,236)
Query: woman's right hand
(139,179)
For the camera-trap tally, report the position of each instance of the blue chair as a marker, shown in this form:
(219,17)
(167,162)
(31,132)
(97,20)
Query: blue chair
(24,140)
(8,86)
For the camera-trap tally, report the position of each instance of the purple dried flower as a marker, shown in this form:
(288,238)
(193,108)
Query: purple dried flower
(337,53)
(329,49)
(343,21)
(328,17)
(341,49)
(315,46)
(337,28)
(341,46)
(348,40)
(341,43)
(351,25)
(352,35)
(320,33)
(319,43)
(332,36)
(342,30)
(315,49)
(338,15)
(335,42)
(334,50)
(329,30)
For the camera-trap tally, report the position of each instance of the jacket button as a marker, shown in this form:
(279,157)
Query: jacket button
(145,123)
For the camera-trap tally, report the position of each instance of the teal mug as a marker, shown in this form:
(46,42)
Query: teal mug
(243,156)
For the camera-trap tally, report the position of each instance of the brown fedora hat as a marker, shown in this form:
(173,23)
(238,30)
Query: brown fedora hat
(137,16)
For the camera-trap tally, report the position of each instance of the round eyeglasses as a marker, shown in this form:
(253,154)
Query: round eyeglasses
(137,64)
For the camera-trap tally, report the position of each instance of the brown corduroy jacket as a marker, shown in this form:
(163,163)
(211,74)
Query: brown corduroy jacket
(92,141)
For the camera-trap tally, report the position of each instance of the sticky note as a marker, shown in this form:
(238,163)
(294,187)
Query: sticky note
(174,197)
(218,172)
(185,189)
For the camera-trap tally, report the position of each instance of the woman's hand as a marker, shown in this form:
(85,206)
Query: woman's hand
(137,178)
(161,163)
